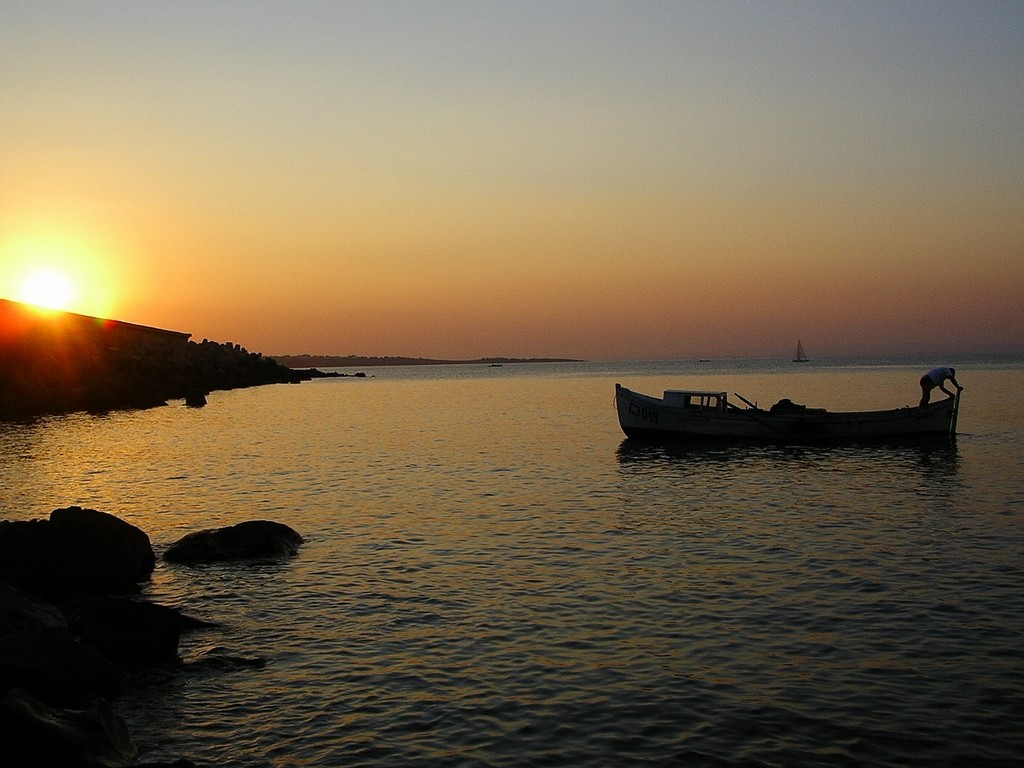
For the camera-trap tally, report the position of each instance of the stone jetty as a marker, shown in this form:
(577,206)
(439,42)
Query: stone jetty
(61,362)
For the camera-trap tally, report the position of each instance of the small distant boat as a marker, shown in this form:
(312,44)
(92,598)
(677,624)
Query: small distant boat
(696,415)
(801,356)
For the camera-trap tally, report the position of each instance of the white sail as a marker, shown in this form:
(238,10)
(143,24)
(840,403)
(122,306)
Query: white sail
(801,357)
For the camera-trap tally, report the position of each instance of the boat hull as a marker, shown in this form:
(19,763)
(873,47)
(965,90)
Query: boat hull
(650,418)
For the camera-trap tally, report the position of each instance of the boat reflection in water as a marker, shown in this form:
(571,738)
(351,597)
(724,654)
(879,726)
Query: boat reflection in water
(939,457)
(795,485)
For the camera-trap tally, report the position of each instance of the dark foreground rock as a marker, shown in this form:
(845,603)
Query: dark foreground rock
(251,540)
(60,668)
(73,634)
(131,632)
(77,551)
(55,667)
(54,691)
(35,734)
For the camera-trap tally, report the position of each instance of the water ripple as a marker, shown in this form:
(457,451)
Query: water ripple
(473,595)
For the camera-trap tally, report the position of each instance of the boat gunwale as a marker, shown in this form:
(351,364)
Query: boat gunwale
(790,425)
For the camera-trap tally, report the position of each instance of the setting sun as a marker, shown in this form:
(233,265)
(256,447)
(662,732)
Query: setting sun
(49,289)
(57,269)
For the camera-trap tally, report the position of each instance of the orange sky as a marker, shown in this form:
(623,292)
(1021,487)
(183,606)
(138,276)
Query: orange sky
(457,180)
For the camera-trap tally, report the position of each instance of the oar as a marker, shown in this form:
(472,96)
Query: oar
(956,411)
(759,420)
(741,397)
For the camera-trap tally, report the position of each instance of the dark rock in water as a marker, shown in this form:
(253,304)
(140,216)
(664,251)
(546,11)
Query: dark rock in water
(100,530)
(60,662)
(127,631)
(76,551)
(251,540)
(21,610)
(221,660)
(34,734)
(55,667)
(195,398)
(38,653)
(57,674)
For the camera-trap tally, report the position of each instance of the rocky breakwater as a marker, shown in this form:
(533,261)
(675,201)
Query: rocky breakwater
(74,631)
(208,366)
(62,362)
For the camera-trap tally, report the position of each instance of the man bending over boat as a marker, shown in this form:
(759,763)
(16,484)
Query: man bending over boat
(937,377)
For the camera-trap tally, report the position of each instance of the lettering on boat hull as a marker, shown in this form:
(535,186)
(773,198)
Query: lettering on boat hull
(647,414)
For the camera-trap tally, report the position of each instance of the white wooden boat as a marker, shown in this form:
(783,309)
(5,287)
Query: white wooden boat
(697,415)
(801,356)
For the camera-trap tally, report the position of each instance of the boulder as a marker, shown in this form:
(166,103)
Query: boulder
(35,734)
(251,540)
(21,610)
(38,653)
(77,551)
(55,667)
(56,675)
(130,632)
(61,662)
(195,398)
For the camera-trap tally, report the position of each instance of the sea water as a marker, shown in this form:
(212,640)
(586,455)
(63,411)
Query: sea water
(493,575)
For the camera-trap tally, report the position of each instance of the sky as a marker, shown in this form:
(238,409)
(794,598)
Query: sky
(594,180)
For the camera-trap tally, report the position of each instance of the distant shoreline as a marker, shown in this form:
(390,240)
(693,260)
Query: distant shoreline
(353,361)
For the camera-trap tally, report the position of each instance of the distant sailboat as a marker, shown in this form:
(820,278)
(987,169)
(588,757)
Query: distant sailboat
(801,356)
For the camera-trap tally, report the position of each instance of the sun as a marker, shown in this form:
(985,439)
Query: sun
(49,289)
(60,269)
